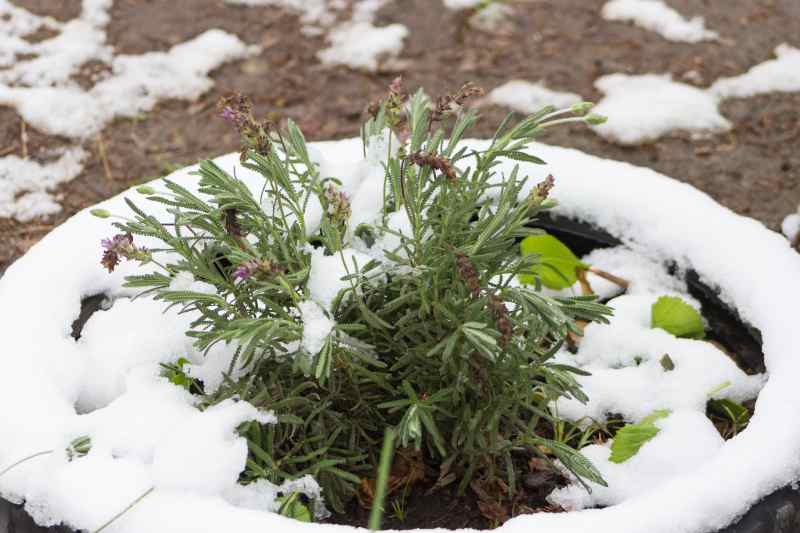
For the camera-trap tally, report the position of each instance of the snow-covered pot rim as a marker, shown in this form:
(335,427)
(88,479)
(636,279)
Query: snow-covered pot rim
(754,268)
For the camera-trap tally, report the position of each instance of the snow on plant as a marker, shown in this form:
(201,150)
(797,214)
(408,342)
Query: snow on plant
(408,320)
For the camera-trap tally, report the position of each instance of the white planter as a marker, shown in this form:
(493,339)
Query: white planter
(43,370)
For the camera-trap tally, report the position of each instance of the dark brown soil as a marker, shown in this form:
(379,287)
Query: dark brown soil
(754,169)
(444,508)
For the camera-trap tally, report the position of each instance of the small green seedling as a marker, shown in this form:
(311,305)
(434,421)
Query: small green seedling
(558,266)
(733,415)
(675,316)
(629,440)
(292,506)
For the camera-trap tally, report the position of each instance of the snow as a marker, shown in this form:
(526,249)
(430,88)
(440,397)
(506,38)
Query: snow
(136,84)
(42,91)
(128,330)
(655,15)
(316,326)
(325,280)
(781,74)
(180,462)
(686,440)
(25,184)
(618,384)
(791,226)
(458,5)
(359,44)
(526,97)
(43,372)
(642,108)
(645,275)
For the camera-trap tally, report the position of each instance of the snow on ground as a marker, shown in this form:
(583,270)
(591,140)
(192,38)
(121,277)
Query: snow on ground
(655,15)
(643,108)
(359,44)
(25,184)
(43,92)
(526,97)
(164,443)
(458,5)
(781,74)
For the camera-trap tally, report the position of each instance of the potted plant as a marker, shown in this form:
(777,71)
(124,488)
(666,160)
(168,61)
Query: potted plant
(374,324)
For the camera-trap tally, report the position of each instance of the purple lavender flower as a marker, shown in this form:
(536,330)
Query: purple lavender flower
(228,114)
(119,247)
(245,270)
(260,269)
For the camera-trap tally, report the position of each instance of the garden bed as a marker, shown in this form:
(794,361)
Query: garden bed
(701,239)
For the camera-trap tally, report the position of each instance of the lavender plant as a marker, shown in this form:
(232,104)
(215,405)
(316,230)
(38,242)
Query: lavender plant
(434,339)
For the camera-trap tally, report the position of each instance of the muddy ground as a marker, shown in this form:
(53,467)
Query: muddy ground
(753,169)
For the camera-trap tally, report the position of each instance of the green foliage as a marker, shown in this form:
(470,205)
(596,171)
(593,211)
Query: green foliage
(672,314)
(632,437)
(557,266)
(177,375)
(293,507)
(732,416)
(434,342)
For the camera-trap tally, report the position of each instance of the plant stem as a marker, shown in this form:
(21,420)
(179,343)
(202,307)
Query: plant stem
(128,508)
(46,452)
(383,479)
(624,283)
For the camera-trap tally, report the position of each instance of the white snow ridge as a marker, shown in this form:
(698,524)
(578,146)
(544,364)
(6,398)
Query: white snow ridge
(655,15)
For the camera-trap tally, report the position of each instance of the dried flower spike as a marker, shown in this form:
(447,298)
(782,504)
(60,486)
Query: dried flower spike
(468,274)
(338,204)
(452,104)
(436,162)
(121,247)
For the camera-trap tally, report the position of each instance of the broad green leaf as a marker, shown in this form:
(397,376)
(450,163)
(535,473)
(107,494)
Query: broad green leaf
(672,314)
(632,437)
(558,265)
(292,507)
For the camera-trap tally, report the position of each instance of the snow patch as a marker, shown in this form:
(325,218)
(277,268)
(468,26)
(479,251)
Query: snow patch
(527,97)
(655,15)
(645,107)
(359,44)
(25,185)
(42,90)
(458,5)
(781,74)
